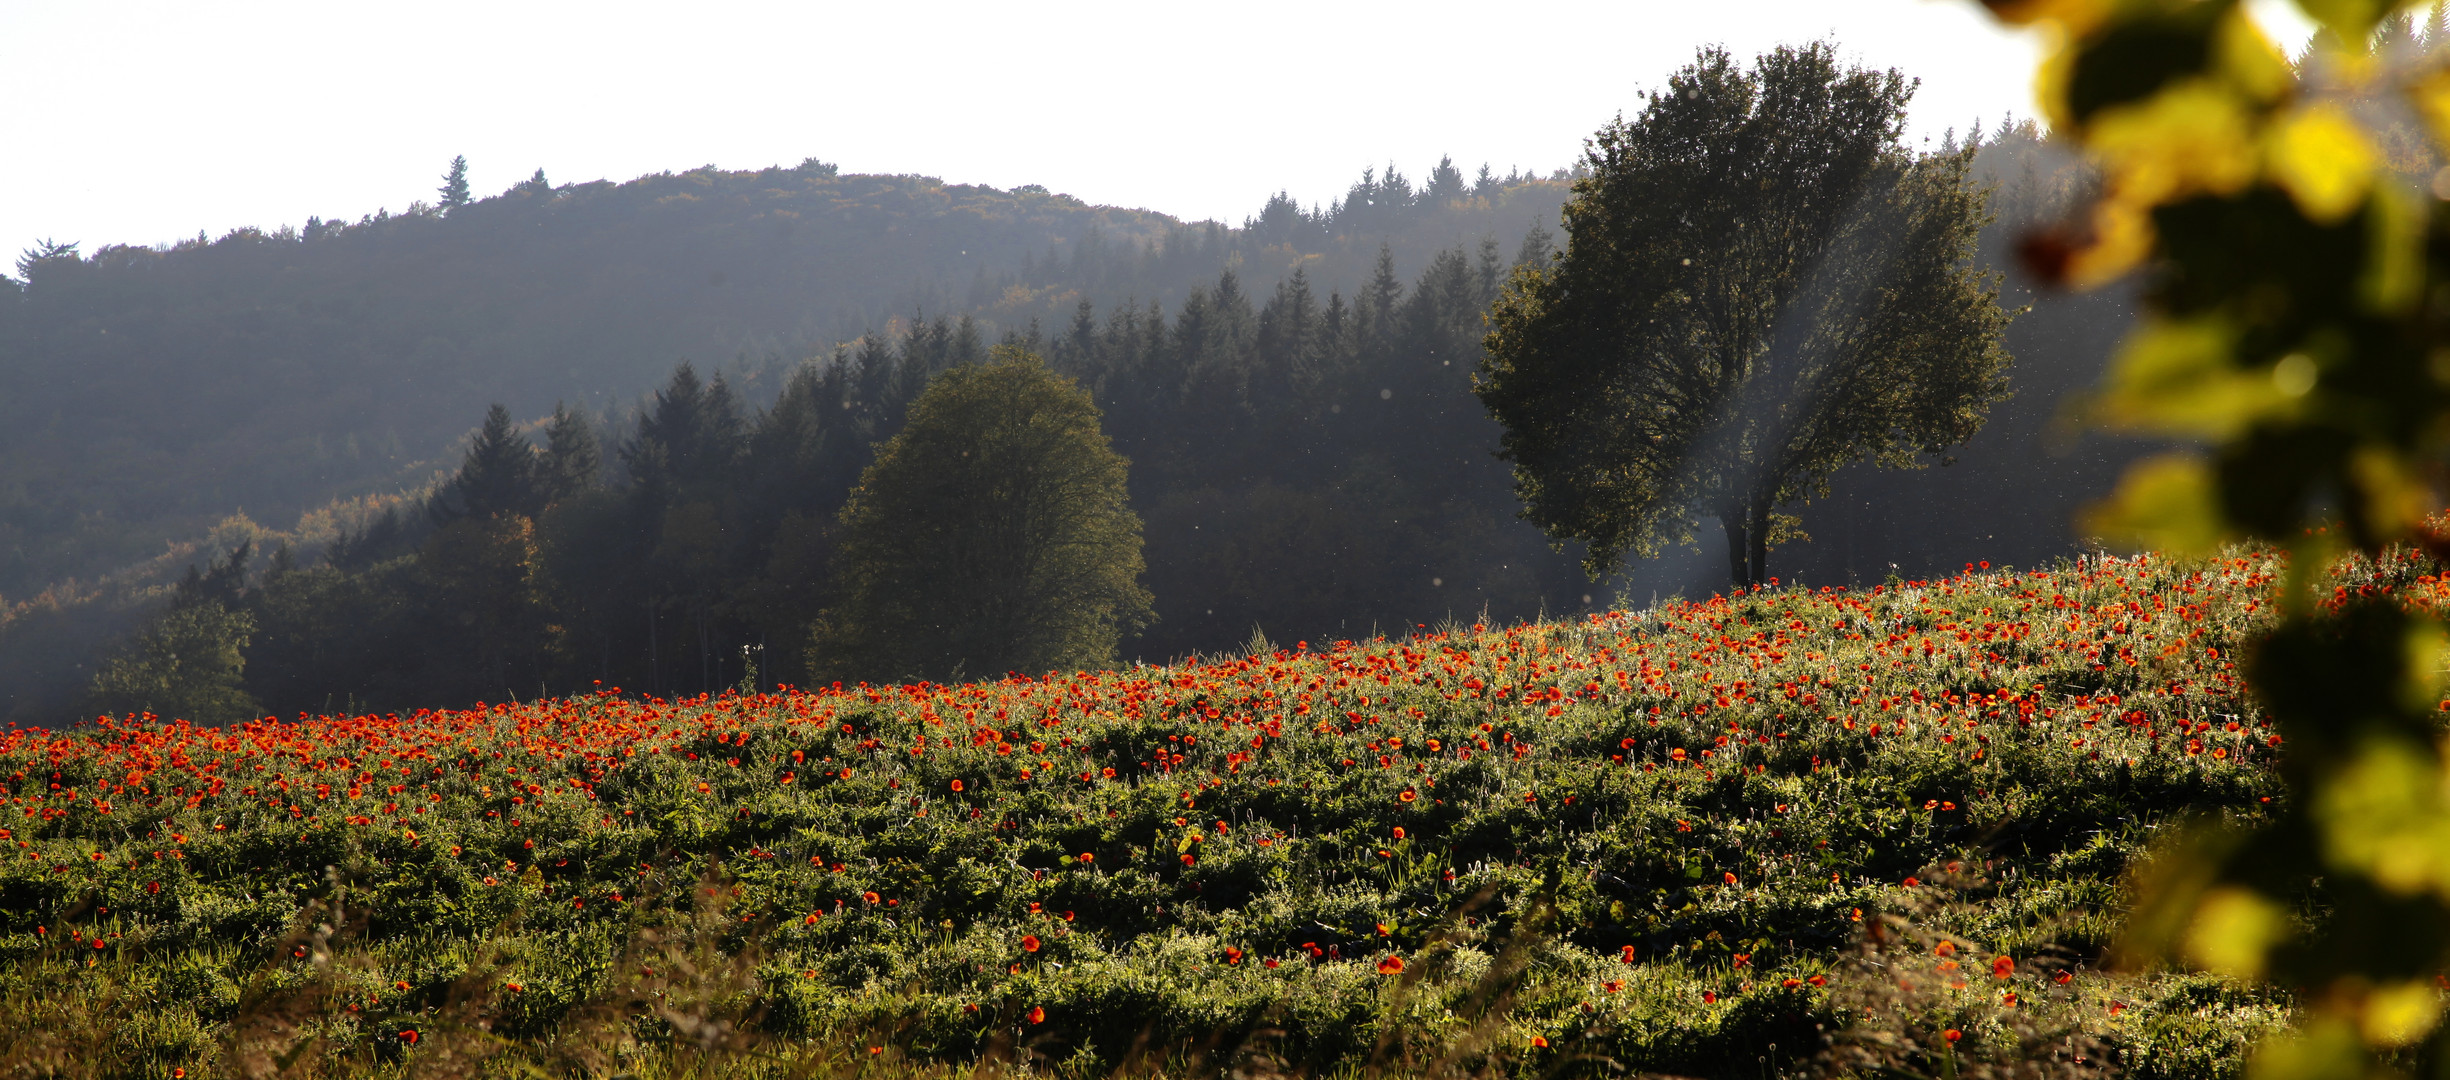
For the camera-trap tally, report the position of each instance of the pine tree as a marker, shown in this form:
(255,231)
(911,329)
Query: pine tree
(498,477)
(1378,301)
(573,459)
(223,581)
(455,184)
(1538,247)
(1288,343)
(688,441)
(1445,184)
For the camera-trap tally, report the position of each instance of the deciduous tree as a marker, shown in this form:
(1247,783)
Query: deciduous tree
(992,534)
(1760,284)
(187,665)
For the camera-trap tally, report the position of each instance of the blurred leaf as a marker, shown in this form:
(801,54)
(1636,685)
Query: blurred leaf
(2135,58)
(2074,15)
(2324,1049)
(2401,1013)
(2169,891)
(2165,503)
(2321,156)
(2176,377)
(2349,20)
(2395,271)
(2195,137)
(2394,498)
(2430,94)
(2233,932)
(2382,816)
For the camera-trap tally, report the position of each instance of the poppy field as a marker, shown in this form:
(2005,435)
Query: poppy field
(1748,835)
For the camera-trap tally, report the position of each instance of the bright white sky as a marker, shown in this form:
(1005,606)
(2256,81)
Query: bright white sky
(143,121)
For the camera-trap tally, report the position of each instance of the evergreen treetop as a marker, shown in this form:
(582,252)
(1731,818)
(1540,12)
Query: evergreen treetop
(454,189)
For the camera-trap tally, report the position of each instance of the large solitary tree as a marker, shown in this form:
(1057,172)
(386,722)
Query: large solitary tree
(992,534)
(1761,283)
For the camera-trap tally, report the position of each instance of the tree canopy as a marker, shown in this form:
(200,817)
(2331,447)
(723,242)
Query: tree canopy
(993,534)
(1760,284)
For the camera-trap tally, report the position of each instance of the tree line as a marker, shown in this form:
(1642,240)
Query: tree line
(1306,464)
(1306,453)
(146,392)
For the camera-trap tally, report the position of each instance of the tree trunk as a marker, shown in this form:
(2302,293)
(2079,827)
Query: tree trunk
(1760,545)
(1739,545)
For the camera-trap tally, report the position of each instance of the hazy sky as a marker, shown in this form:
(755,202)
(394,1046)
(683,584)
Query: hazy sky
(144,122)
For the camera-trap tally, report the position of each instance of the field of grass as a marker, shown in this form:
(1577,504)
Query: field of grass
(1759,836)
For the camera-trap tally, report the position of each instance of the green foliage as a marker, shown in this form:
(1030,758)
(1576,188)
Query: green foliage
(993,533)
(499,477)
(2295,329)
(1760,285)
(1718,787)
(189,663)
(278,369)
(573,456)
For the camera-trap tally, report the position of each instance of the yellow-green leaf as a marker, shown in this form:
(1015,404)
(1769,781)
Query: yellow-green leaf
(2167,503)
(2401,1013)
(2349,20)
(2233,931)
(2197,136)
(2177,377)
(2322,158)
(2323,1048)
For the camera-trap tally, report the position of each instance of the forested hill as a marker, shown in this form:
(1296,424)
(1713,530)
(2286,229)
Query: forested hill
(1294,396)
(147,393)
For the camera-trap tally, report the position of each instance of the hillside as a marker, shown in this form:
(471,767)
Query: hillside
(1296,400)
(146,394)
(1655,837)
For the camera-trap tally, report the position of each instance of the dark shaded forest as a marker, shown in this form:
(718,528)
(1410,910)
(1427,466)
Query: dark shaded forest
(148,393)
(1293,396)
